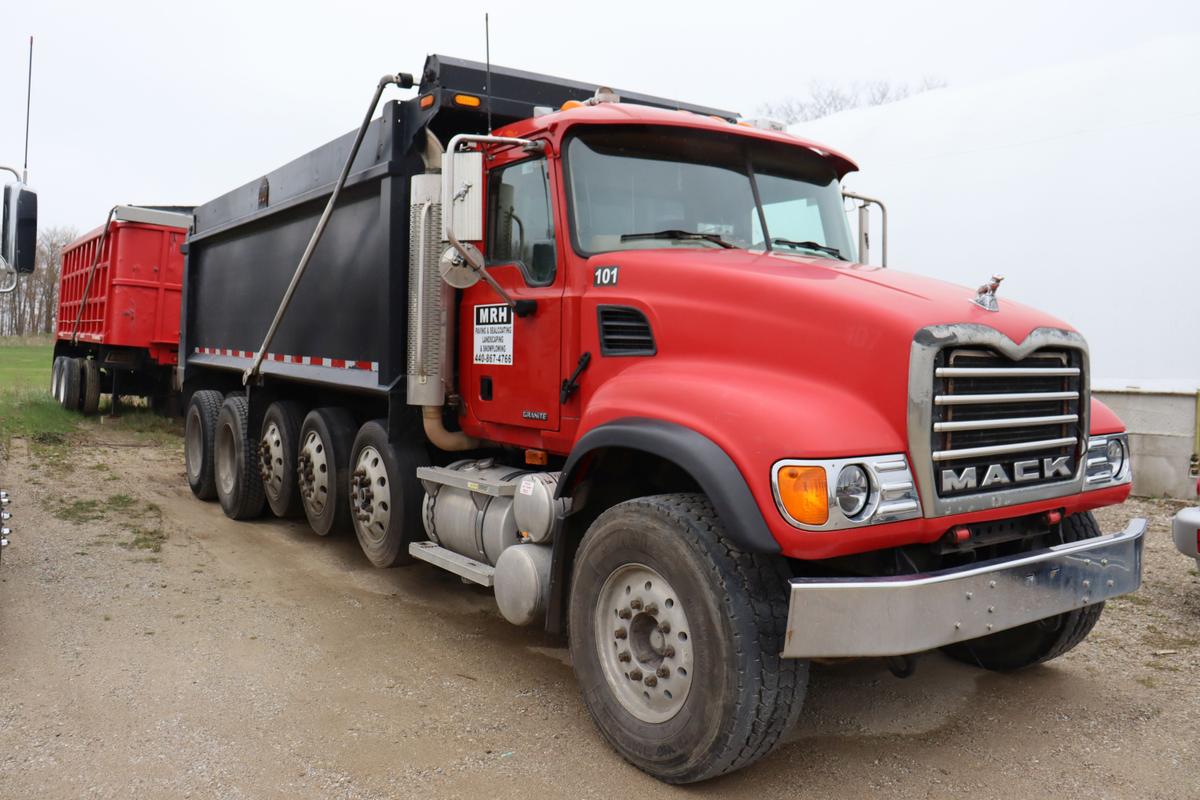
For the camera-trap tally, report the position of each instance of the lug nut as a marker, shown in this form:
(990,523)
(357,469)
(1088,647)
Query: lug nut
(636,604)
(635,674)
(651,680)
(623,656)
(624,613)
(664,627)
(620,633)
(664,671)
(669,651)
(652,609)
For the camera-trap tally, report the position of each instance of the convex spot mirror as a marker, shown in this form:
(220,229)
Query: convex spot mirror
(18,227)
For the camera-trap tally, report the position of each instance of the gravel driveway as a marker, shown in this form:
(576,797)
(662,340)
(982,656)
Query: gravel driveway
(149,647)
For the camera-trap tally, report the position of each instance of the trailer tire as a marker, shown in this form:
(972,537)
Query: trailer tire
(1041,641)
(323,467)
(657,586)
(385,496)
(278,445)
(56,372)
(199,440)
(239,487)
(91,387)
(71,392)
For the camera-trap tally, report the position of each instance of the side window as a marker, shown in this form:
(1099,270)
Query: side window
(520,224)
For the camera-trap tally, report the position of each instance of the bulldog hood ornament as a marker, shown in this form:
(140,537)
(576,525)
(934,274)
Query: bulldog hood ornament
(985,296)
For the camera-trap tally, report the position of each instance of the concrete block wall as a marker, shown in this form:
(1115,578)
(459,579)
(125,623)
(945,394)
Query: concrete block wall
(1162,438)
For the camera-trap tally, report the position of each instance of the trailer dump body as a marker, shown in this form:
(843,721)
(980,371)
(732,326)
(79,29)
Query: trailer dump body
(130,296)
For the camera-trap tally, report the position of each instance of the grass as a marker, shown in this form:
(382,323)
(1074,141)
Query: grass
(27,411)
(142,523)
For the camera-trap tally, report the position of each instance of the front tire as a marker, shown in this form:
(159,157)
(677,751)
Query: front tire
(676,637)
(199,436)
(239,487)
(323,468)
(1041,641)
(385,496)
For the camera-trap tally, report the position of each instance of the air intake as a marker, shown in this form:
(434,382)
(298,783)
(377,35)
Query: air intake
(625,331)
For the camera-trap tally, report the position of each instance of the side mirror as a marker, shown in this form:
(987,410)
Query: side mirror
(862,205)
(18,230)
(462,202)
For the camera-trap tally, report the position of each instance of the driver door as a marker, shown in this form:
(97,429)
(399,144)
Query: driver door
(512,365)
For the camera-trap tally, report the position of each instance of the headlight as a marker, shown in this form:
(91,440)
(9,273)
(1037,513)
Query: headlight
(853,490)
(1115,453)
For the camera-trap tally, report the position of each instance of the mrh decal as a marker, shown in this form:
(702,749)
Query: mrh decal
(493,334)
(998,475)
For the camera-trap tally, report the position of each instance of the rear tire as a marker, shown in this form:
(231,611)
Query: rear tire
(56,371)
(385,496)
(278,445)
(199,436)
(708,693)
(91,387)
(71,390)
(323,468)
(1041,641)
(239,487)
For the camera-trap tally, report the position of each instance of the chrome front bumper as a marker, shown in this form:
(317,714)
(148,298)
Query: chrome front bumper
(847,617)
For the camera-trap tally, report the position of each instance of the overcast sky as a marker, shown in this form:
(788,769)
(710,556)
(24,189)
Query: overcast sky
(175,103)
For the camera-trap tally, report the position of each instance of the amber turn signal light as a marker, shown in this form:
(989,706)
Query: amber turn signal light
(804,493)
(469,100)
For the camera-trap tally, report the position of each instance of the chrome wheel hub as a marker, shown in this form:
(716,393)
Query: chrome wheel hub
(312,470)
(370,495)
(643,642)
(270,460)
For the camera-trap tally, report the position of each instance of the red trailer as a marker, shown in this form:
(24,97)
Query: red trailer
(118,308)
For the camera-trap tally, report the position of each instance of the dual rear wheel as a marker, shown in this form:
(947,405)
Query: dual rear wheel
(75,384)
(321,464)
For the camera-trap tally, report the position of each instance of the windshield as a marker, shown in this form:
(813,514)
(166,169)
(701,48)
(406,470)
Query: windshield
(638,187)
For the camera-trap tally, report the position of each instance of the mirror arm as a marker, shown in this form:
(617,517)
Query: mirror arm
(16,174)
(5,269)
(866,201)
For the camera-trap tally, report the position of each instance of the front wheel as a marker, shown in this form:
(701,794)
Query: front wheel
(385,496)
(676,637)
(1041,641)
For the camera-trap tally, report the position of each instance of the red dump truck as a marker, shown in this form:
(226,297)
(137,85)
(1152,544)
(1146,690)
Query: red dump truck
(622,359)
(118,309)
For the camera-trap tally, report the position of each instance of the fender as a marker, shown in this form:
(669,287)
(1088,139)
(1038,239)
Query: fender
(699,456)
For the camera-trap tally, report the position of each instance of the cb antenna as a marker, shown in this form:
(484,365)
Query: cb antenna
(28,92)
(487,88)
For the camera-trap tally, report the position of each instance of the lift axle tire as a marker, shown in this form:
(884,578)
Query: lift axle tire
(277,449)
(676,635)
(199,437)
(91,387)
(235,462)
(323,469)
(1041,641)
(385,495)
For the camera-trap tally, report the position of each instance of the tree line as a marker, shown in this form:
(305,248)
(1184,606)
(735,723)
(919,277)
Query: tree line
(32,309)
(826,98)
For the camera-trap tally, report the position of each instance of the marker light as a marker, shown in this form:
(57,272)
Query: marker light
(426,101)
(567,106)
(469,100)
(804,493)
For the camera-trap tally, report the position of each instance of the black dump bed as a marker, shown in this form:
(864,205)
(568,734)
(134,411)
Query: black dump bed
(347,322)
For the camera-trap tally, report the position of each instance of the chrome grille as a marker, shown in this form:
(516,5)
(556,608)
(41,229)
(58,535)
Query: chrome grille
(999,423)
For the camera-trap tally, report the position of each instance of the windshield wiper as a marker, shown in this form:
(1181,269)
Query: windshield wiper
(675,233)
(820,248)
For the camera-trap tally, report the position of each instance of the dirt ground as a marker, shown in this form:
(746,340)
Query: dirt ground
(149,647)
